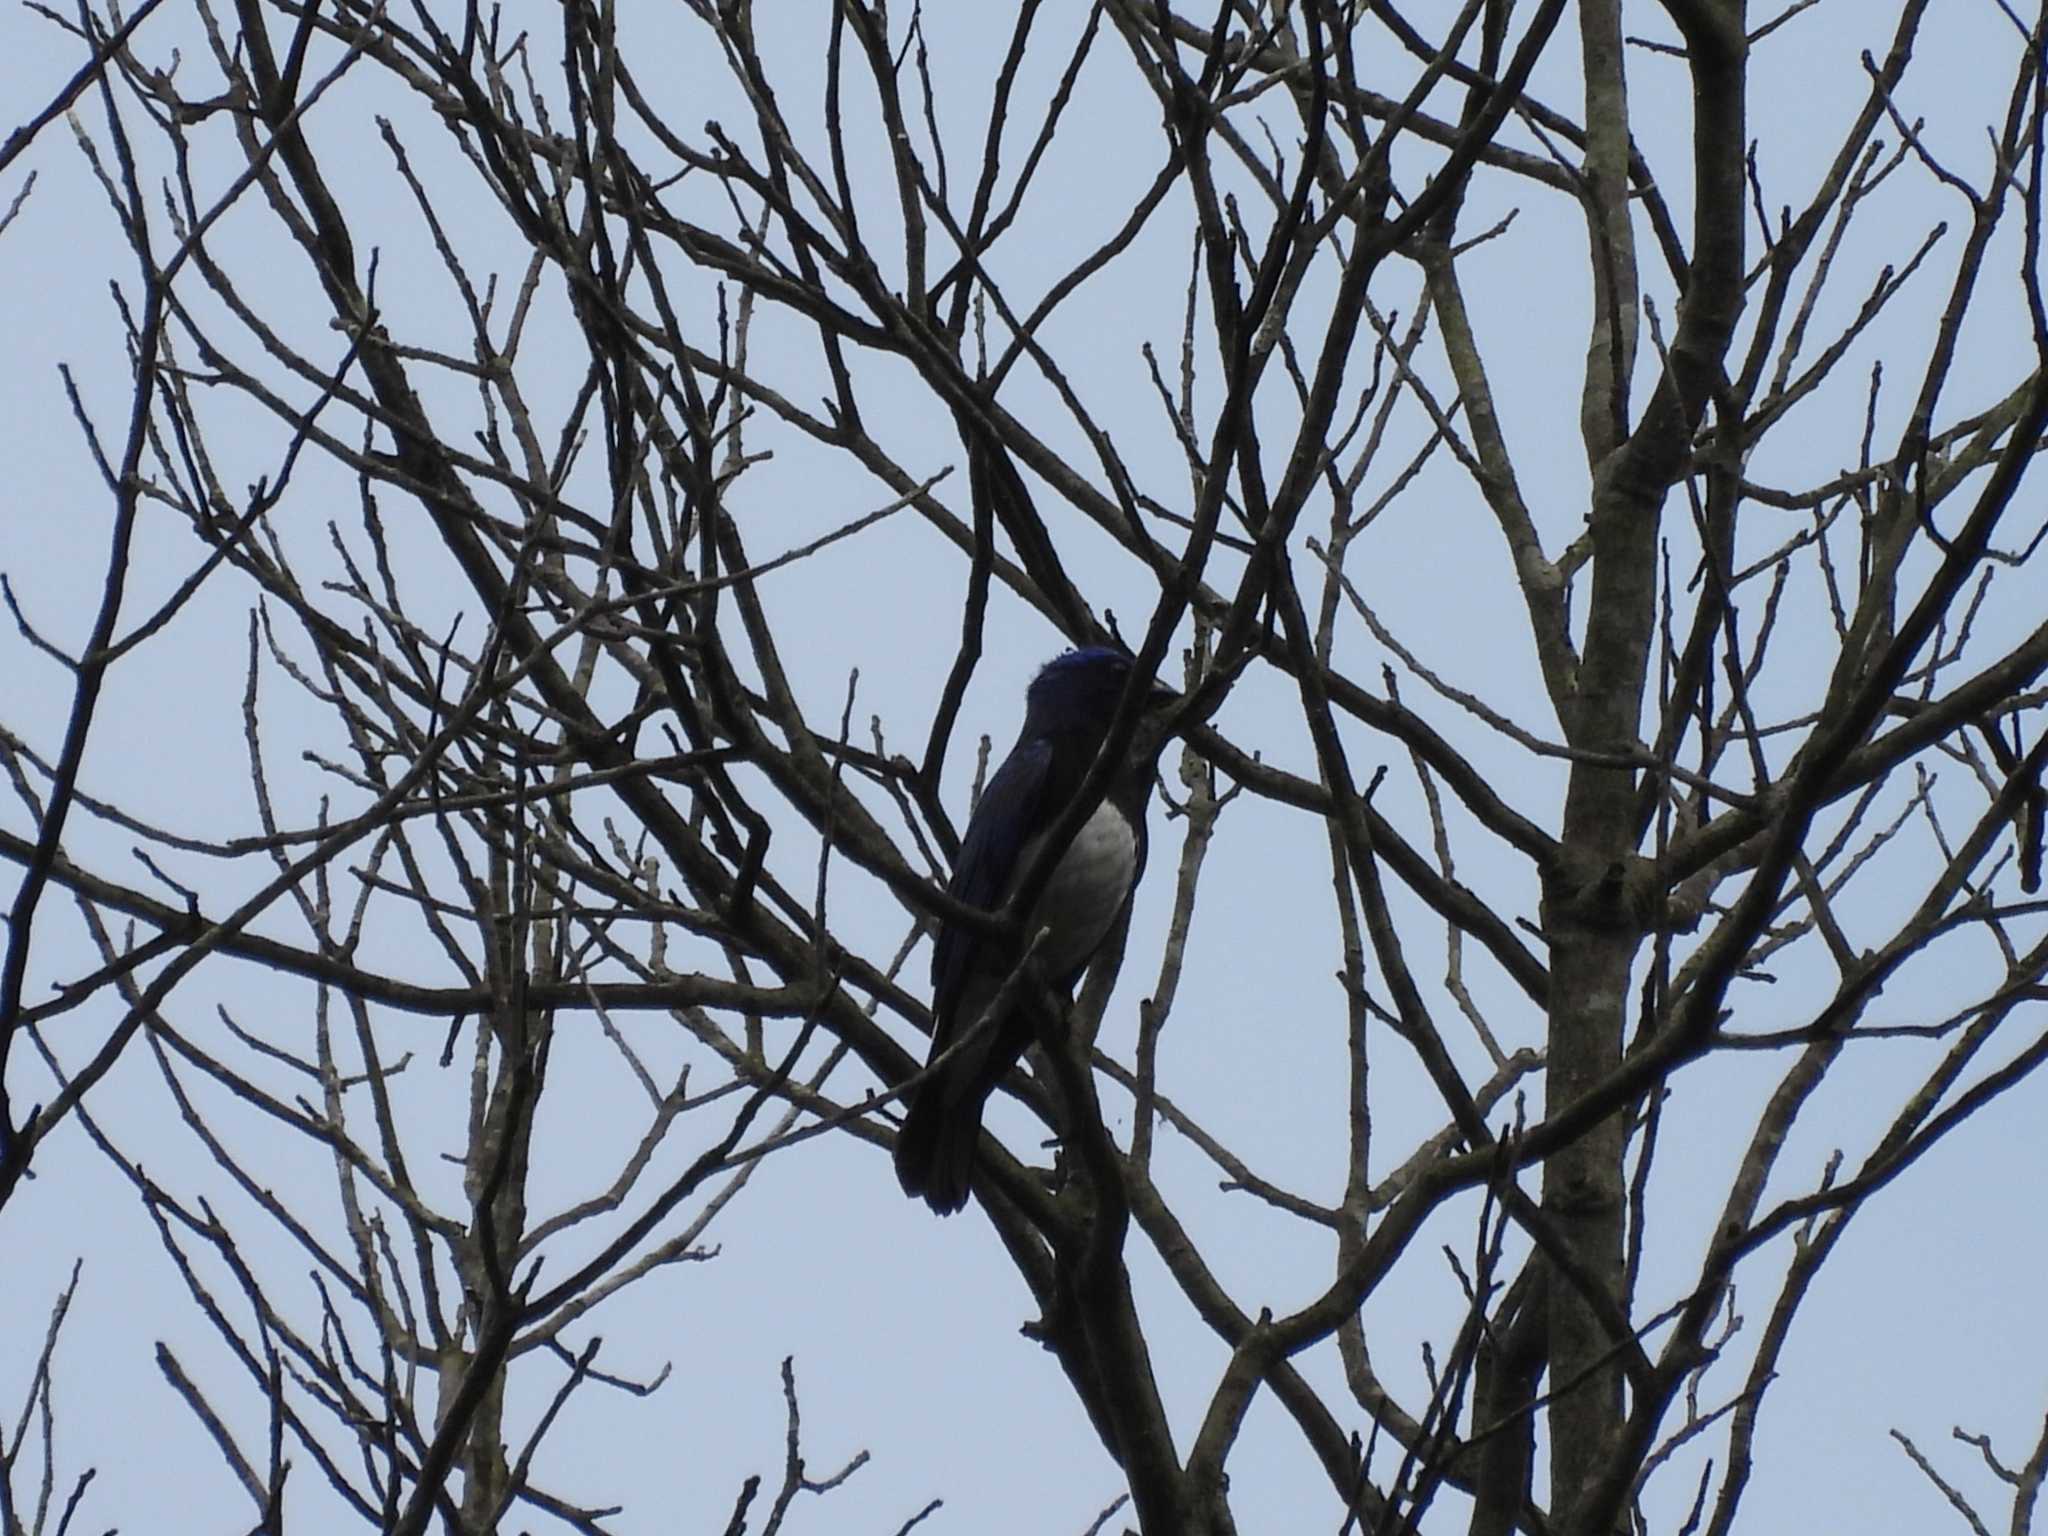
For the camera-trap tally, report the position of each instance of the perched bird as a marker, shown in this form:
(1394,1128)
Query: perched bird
(1067,714)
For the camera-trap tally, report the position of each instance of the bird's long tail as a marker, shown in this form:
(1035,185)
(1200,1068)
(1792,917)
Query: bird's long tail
(935,1147)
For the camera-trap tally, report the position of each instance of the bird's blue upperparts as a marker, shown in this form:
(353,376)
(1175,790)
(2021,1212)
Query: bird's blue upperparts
(1068,711)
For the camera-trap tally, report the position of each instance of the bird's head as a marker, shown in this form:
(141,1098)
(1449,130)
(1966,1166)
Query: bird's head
(1080,692)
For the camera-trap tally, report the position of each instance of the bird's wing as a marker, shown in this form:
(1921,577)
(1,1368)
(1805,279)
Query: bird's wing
(1012,807)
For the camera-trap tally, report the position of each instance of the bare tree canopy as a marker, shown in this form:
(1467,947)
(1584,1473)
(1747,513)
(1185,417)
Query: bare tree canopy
(530,526)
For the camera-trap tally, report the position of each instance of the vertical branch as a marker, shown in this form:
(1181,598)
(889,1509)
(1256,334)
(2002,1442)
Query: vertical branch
(1610,236)
(90,671)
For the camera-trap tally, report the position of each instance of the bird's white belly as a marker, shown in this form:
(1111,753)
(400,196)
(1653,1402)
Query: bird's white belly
(1086,891)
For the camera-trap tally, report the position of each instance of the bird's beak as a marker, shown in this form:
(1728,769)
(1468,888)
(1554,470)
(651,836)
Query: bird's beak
(1160,702)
